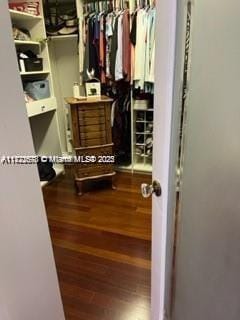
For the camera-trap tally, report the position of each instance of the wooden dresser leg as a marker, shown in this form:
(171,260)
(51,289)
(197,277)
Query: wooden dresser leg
(79,186)
(113,184)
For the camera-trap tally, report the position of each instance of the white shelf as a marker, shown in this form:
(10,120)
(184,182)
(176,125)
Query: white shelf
(150,133)
(64,37)
(144,110)
(34,73)
(142,167)
(142,155)
(38,107)
(144,121)
(22,16)
(59,171)
(21,42)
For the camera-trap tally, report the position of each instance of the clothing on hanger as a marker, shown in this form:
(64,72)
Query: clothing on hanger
(114,51)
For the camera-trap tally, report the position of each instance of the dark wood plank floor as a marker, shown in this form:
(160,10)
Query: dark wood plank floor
(102,248)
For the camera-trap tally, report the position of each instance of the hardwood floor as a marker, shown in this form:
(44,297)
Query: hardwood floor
(102,248)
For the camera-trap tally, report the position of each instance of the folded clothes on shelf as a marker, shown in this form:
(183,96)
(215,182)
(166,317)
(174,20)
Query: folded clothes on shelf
(149,142)
(21,34)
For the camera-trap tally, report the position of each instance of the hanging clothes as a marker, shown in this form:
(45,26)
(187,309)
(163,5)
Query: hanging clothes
(102,49)
(107,46)
(91,60)
(143,48)
(121,120)
(126,46)
(150,45)
(114,47)
(119,53)
(140,49)
(108,36)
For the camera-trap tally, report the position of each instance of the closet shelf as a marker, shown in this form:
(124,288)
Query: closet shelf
(142,167)
(144,121)
(143,155)
(59,171)
(38,107)
(23,16)
(21,42)
(144,110)
(34,73)
(64,37)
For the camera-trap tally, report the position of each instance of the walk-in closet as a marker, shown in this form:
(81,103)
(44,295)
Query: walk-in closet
(87,71)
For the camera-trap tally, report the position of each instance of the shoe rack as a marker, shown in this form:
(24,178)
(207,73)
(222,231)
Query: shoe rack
(142,139)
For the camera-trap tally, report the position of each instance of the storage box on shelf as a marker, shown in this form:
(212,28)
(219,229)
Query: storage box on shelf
(27,6)
(20,16)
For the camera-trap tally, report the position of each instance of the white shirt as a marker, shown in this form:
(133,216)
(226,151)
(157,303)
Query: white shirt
(119,56)
(140,49)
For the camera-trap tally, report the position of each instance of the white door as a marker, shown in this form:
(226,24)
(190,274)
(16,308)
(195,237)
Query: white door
(207,282)
(208,246)
(169,77)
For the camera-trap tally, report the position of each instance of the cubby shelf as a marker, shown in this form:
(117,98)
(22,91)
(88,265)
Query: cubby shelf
(38,107)
(63,37)
(34,73)
(23,16)
(30,43)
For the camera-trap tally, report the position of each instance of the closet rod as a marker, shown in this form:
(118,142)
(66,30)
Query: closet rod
(96,1)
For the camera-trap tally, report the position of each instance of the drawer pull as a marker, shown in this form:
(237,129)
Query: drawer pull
(43,108)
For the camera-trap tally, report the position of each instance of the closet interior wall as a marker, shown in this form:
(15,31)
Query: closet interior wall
(63,53)
(64,56)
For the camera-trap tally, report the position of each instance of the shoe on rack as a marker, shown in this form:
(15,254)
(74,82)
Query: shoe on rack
(149,142)
(67,30)
(140,138)
(149,128)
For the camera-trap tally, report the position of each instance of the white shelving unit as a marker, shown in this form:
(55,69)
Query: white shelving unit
(142,133)
(42,114)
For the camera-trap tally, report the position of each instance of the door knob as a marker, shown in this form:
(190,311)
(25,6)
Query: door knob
(149,189)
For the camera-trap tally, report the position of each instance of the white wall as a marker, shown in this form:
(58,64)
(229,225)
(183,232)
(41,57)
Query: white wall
(65,70)
(28,282)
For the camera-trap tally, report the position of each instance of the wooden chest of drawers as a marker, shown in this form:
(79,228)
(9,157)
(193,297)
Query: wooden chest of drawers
(92,139)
